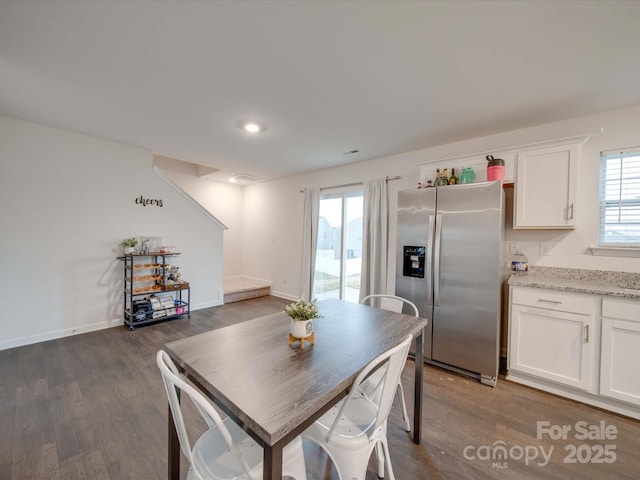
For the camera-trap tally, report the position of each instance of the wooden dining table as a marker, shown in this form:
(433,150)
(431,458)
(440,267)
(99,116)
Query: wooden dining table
(274,390)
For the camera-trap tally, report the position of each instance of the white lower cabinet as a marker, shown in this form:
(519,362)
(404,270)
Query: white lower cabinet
(620,362)
(581,346)
(552,336)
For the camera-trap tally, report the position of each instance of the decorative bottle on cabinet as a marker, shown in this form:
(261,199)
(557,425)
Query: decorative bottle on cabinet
(440,180)
(453,179)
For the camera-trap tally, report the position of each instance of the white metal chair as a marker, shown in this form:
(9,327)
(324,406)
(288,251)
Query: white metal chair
(224,451)
(394,304)
(351,430)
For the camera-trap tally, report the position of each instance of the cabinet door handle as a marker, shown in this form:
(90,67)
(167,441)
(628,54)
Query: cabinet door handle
(543,300)
(586,334)
(570,212)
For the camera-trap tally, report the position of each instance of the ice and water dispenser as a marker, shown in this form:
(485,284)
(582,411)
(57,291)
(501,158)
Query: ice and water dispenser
(413,261)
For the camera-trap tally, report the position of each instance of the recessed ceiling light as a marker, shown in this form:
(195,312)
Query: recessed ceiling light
(251,126)
(232,179)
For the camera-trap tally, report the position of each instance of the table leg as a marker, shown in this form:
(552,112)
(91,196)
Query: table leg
(173,449)
(417,399)
(272,466)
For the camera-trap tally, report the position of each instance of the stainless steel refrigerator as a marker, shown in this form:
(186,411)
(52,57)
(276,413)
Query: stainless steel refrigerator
(450,264)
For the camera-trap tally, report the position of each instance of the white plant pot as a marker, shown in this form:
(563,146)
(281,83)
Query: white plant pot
(301,329)
(128,250)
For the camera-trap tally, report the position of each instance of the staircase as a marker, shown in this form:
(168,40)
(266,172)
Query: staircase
(238,288)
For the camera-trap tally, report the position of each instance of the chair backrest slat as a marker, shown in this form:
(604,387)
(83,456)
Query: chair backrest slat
(168,370)
(173,382)
(395,359)
(393,303)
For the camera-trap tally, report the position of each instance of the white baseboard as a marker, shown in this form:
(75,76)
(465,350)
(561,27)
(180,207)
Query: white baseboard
(200,306)
(67,332)
(55,334)
(595,400)
(284,295)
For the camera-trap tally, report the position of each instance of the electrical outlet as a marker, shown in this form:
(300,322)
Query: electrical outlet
(513,248)
(545,248)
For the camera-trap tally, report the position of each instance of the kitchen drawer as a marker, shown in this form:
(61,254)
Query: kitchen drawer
(555,300)
(623,309)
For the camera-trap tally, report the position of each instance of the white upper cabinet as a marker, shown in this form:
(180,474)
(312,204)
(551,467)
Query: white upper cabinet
(545,188)
(544,176)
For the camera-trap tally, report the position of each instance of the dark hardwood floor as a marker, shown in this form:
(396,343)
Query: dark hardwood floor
(92,406)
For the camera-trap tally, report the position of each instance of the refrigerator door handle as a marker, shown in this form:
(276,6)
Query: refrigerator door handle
(436,261)
(430,259)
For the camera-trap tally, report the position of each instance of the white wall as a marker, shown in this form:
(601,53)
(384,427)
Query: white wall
(273,216)
(272,228)
(66,202)
(224,200)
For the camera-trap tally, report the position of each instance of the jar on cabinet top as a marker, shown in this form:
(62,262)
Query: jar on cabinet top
(519,264)
(495,168)
(467,175)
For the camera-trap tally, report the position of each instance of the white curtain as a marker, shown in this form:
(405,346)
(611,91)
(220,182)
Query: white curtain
(374,240)
(309,241)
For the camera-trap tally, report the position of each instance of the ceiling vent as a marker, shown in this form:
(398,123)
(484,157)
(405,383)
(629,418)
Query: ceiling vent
(244,178)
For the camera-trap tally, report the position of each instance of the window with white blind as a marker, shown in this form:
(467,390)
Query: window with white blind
(620,198)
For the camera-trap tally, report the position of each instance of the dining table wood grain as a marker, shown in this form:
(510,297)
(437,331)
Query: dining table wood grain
(274,390)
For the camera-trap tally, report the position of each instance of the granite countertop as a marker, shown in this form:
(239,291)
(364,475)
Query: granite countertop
(595,282)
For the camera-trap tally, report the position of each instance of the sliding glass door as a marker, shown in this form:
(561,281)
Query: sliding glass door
(339,252)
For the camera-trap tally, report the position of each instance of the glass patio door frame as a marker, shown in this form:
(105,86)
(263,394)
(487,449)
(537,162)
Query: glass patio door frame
(343,194)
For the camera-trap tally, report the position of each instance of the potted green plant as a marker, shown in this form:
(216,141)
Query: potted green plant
(129,244)
(302,314)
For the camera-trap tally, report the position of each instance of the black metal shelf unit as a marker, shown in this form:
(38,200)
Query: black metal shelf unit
(148,295)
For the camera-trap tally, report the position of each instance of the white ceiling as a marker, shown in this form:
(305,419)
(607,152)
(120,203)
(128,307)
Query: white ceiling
(325,77)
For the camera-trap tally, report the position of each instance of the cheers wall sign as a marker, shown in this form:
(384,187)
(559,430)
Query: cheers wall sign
(148,201)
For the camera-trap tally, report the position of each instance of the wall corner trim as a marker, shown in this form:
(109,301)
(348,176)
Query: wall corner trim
(188,197)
